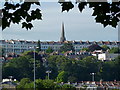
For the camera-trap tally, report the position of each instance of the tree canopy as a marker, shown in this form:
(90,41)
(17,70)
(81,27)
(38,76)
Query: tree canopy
(105,47)
(20,12)
(22,67)
(114,50)
(105,12)
(38,49)
(63,69)
(1,52)
(25,83)
(66,47)
(49,50)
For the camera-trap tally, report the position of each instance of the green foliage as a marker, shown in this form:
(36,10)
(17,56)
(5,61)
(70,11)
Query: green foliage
(22,67)
(105,47)
(114,50)
(71,70)
(31,54)
(62,77)
(29,86)
(49,50)
(24,82)
(67,47)
(39,46)
(108,68)
(39,83)
(16,67)
(72,79)
(89,65)
(85,49)
(117,67)
(1,51)
(48,83)
(68,86)
(63,70)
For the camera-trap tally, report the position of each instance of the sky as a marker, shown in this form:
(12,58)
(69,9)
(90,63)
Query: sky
(78,26)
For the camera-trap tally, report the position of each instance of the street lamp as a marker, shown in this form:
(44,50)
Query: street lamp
(48,72)
(34,63)
(93,76)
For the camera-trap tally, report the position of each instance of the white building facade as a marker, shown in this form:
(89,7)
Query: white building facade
(106,56)
(19,46)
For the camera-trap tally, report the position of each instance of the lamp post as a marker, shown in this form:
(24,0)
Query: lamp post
(93,76)
(48,72)
(34,63)
(34,68)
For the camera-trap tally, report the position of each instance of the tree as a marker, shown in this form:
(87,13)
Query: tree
(23,83)
(72,79)
(42,84)
(106,16)
(48,84)
(1,52)
(62,77)
(117,68)
(85,49)
(52,66)
(39,46)
(105,47)
(67,47)
(22,67)
(108,71)
(69,87)
(39,83)
(20,12)
(114,50)
(49,50)
(31,54)
(89,65)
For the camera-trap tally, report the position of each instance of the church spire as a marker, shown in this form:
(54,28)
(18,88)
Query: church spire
(62,39)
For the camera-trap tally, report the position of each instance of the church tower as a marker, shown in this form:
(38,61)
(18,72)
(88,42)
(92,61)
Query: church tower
(62,39)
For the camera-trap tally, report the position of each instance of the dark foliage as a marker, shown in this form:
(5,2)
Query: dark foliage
(38,49)
(66,47)
(66,6)
(20,12)
(104,12)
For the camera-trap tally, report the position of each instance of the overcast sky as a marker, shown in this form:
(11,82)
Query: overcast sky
(78,26)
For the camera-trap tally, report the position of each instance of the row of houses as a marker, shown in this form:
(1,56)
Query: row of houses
(19,46)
